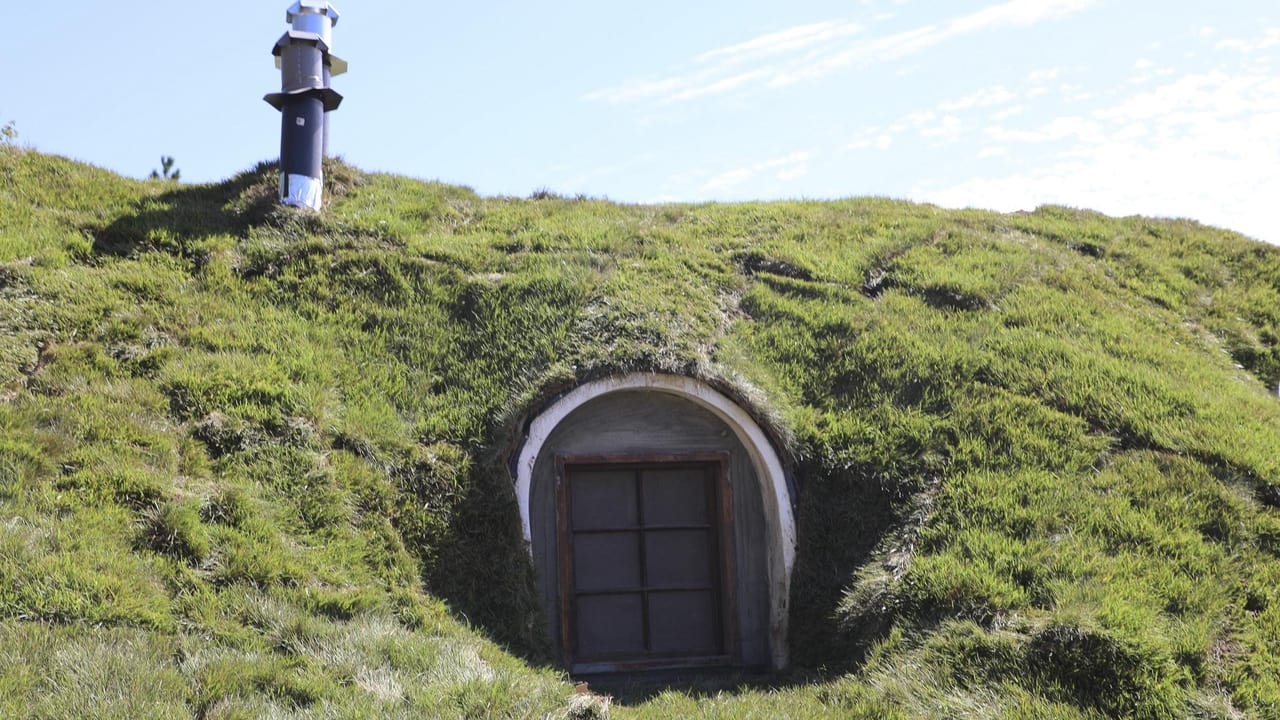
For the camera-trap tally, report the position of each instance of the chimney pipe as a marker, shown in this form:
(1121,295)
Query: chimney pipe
(305,99)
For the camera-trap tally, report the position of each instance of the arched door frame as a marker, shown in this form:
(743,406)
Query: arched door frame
(778,514)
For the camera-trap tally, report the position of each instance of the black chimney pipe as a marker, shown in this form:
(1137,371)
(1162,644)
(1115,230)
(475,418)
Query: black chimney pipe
(305,99)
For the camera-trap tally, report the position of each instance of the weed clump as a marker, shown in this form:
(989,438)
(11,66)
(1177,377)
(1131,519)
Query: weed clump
(232,507)
(587,706)
(173,528)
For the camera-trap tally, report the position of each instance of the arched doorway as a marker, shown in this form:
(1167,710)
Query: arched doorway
(660,523)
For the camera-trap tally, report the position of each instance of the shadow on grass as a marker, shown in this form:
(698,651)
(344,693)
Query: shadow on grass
(842,519)
(479,567)
(171,220)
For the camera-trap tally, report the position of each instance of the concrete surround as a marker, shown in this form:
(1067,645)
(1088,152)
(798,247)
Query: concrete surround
(779,517)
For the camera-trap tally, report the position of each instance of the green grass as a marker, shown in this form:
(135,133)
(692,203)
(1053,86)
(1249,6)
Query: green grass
(253,461)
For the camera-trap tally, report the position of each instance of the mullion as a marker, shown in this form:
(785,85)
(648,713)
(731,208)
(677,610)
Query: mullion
(712,490)
(644,562)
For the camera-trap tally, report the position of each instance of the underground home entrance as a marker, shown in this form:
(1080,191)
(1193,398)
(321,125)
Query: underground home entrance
(660,525)
(646,569)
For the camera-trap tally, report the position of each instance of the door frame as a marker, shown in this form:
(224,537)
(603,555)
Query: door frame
(770,475)
(721,512)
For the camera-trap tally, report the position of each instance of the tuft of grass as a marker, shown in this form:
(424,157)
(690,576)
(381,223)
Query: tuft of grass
(174,528)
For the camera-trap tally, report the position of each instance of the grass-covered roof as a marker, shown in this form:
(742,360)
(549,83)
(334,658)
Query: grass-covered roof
(254,460)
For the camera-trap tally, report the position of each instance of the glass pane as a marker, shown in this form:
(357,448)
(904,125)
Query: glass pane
(679,558)
(609,625)
(606,561)
(684,623)
(602,498)
(675,497)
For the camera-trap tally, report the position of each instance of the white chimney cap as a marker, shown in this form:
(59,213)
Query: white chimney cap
(310,7)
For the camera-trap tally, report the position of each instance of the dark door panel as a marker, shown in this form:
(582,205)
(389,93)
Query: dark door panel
(611,625)
(674,497)
(604,499)
(645,562)
(684,623)
(607,561)
(680,559)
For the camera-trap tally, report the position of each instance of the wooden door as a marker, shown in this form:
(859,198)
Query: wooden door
(645,572)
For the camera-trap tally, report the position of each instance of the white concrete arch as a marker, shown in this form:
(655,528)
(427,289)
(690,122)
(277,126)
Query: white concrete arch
(778,515)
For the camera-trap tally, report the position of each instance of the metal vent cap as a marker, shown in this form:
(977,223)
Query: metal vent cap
(313,16)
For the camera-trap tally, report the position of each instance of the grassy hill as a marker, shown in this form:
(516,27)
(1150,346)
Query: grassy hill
(253,461)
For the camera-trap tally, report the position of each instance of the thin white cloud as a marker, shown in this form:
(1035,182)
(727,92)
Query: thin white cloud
(984,98)
(1202,145)
(787,167)
(947,122)
(1014,13)
(1017,13)
(872,138)
(812,51)
(1077,128)
(722,69)
(1006,113)
(948,128)
(1044,76)
(718,86)
(1270,38)
(1073,93)
(793,39)
(1148,70)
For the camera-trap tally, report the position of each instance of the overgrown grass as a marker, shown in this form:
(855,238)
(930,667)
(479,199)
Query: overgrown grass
(253,461)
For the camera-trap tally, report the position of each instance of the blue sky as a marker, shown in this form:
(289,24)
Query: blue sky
(1126,106)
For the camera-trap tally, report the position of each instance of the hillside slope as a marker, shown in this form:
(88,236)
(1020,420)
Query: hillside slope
(253,461)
